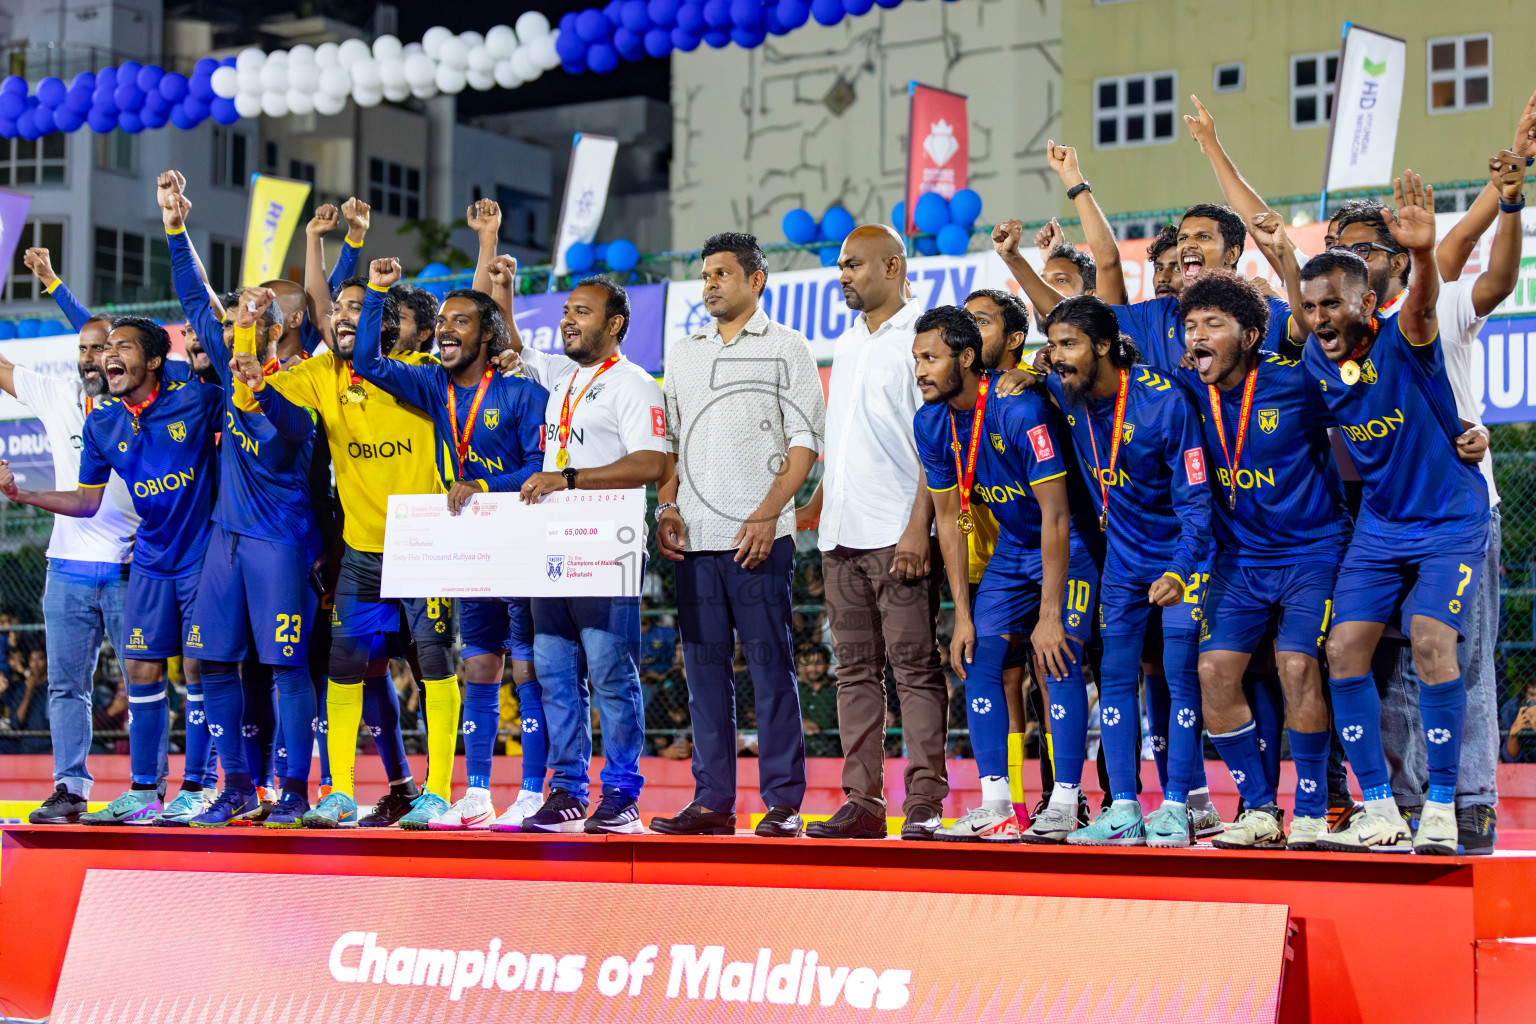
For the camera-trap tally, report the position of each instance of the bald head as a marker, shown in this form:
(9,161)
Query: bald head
(874,270)
(291,299)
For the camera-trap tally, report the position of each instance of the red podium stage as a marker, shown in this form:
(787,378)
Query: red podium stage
(1383,938)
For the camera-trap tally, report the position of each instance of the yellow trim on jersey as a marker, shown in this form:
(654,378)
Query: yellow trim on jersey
(355,245)
(176,231)
(1048,479)
(50,288)
(375,288)
(942,490)
(243,397)
(484,486)
(981,541)
(1176,577)
(1417,344)
(93,486)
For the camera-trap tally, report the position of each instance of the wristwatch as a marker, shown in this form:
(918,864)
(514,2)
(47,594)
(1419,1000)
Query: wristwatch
(662,508)
(569,472)
(1078,189)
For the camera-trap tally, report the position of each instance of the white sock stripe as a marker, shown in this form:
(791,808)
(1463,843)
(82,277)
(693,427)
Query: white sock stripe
(146,700)
(194,696)
(1250,727)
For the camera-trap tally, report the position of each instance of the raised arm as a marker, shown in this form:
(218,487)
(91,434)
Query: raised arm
(80,503)
(191,290)
(1268,229)
(1413,227)
(485,217)
(1005,241)
(317,287)
(1240,195)
(1096,229)
(37,260)
(413,384)
(502,274)
(1456,247)
(358,215)
(1494,285)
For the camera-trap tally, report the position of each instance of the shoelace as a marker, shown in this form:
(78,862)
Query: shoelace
(59,796)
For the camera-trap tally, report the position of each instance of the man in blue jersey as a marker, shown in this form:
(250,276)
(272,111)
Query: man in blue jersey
(1041,578)
(1281,527)
(255,583)
(495,426)
(1137,435)
(158,435)
(1422,532)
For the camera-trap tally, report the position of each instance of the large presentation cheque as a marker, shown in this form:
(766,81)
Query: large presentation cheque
(570,544)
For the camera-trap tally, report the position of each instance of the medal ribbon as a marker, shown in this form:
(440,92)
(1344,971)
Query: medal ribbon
(1234,459)
(967,474)
(462,443)
(135,410)
(1365,346)
(1114,445)
(567,408)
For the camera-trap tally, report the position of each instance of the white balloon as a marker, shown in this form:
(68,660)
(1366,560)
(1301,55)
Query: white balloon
(433,38)
(397,93)
(274,104)
(412,49)
(325,55)
(392,73)
(524,64)
(480,81)
(365,73)
(248,104)
(424,92)
(251,58)
(301,102)
(274,77)
(506,75)
(480,60)
(277,57)
(544,51)
(329,105)
(420,70)
(352,51)
(501,41)
(303,77)
(471,39)
(531,25)
(225,82)
(367,97)
(301,54)
(386,48)
(454,54)
(249,80)
(450,79)
(335,82)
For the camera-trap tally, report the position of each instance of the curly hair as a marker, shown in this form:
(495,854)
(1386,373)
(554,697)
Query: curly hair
(1080,259)
(490,317)
(152,337)
(1224,291)
(417,303)
(1096,318)
(389,330)
(1167,238)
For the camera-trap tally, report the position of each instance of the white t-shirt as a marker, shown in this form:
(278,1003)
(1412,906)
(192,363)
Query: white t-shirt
(107,536)
(622,411)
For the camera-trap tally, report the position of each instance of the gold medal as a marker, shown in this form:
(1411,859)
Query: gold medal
(355,394)
(965,522)
(562,458)
(1349,371)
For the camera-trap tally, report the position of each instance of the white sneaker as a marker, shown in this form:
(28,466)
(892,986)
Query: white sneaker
(473,812)
(528,801)
(1437,831)
(1257,829)
(981,826)
(1371,833)
(1305,833)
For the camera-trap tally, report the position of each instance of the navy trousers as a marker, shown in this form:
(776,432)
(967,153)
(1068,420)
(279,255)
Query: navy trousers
(717,600)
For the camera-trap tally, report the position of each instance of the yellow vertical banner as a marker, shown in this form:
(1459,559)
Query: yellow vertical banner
(274,214)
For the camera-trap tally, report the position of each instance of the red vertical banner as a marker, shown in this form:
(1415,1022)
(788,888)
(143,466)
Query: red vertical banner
(938,146)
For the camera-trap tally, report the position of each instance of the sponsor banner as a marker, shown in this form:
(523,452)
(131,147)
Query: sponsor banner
(586,193)
(1363,133)
(938,145)
(274,212)
(538,321)
(334,947)
(25,446)
(1504,364)
(13,217)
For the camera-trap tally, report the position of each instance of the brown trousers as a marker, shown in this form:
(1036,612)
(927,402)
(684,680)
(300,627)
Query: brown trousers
(875,617)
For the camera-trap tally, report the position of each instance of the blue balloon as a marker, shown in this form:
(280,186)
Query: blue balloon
(576,65)
(827,12)
(149,78)
(173,86)
(932,213)
(662,13)
(128,71)
(7,128)
(771,22)
(622,254)
(51,92)
(106,79)
(104,102)
(569,45)
(799,226)
(200,87)
(85,78)
(568,23)
(128,96)
(66,120)
(229,62)
(690,18)
(717,39)
(793,13)
(717,15)
(13,84)
(888,3)
(829,255)
(181,118)
(130,122)
(591,26)
(634,16)
(899,217)
(28,328)
(965,206)
(836,224)
(578,257)
(155,118)
(746,13)
(435,270)
(613,10)
(154,102)
(630,45)
(658,42)
(26,125)
(7,330)
(12,105)
(101,122)
(79,98)
(197,110)
(602,58)
(684,40)
(223,110)
(953,239)
(858,7)
(42,120)
(749,38)
(205,67)
(926,246)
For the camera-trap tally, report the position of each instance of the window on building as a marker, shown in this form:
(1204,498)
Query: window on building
(301,170)
(230,163)
(34,161)
(1312,83)
(224,265)
(394,188)
(1460,73)
(20,285)
(269,157)
(524,218)
(1135,110)
(130,268)
(114,152)
(1228,78)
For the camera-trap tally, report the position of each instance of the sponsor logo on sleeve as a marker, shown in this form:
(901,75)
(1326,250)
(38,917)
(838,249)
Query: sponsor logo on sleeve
(1194,466)
(1040,440)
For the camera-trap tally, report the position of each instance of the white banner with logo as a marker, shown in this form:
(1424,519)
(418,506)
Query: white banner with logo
(586,192)
(1366,104)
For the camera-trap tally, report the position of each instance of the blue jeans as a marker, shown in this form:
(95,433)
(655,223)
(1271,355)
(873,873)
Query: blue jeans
(602,635)
(82,601)
(1402,730)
